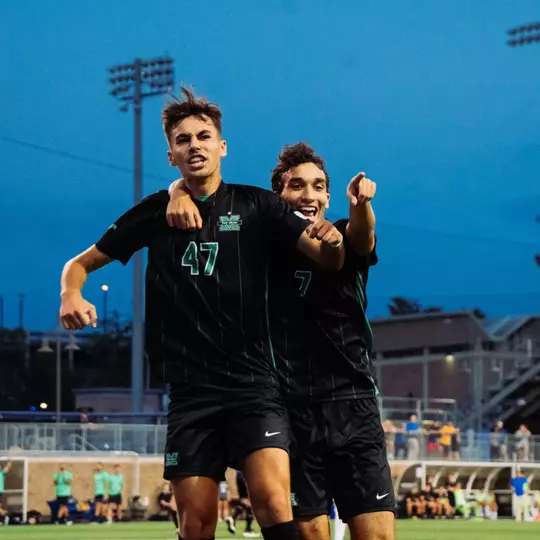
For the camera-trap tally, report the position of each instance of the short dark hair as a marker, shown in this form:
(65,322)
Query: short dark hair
(180,109)
(293,155)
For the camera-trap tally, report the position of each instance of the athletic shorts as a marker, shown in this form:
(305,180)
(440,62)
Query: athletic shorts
(99,498)
(62,501)
(339,453)
(204,436)
(115,499)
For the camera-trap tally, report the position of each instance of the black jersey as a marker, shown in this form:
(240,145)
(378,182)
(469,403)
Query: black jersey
(320,333)
(206,290)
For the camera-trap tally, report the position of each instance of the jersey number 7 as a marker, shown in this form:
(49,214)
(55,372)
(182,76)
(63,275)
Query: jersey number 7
(191,257)
(305,277)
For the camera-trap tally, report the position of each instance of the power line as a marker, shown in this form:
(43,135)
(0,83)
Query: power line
(384,223)
(76,157)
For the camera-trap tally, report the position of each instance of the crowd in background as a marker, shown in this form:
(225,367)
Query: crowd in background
(432,439)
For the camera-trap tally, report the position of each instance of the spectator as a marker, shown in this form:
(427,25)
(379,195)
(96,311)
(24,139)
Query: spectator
(521,499)
(446,438)
(523,436)
(456,443)
(4,518)
(400,443)
(433,447)
(461,504)
(390,434)
(63,481)
(428,498)
(499,442)
(488,504)
(413,433)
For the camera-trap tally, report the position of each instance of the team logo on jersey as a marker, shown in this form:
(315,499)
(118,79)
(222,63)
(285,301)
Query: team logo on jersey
(229,223)
(171,460)
(294,499)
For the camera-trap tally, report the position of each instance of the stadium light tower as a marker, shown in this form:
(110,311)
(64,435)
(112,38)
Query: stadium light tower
(131,84)
(526,35)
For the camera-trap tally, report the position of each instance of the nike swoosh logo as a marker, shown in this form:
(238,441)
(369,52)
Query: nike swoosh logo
(272,434)
(379,497)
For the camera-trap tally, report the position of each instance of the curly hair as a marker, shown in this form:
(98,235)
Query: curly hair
(293,155)
(180,109)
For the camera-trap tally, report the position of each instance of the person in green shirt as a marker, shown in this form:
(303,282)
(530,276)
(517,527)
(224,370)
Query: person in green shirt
(63,481)
(3,506)
(116,482)
(462,506)
(100,493)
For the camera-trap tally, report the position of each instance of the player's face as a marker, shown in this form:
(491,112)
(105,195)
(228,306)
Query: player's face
(305,188)
(196,148)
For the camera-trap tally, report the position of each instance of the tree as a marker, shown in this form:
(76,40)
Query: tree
(403,306)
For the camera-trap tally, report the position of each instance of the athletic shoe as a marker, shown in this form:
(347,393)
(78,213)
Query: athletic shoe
(230,525)
(251,534)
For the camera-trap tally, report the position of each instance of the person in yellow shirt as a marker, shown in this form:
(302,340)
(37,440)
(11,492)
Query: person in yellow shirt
(446,438)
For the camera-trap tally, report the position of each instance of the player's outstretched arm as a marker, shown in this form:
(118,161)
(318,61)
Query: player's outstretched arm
(361,227)
(182,212)
(75,311)
(323,243)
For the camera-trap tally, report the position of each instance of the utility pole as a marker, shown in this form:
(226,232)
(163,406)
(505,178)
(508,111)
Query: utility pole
(21,311)
(131,84)
(526,35)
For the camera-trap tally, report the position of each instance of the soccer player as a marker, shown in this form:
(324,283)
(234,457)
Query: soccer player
(322,340)
(223,503)
(63,481)
(521,498)
(242,507)
(429,501)
(4,518)
(413,506)
(116,483)
(206,317)
(167,503)
(100,493)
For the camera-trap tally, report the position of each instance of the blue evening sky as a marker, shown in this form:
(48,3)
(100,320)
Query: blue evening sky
(423,95)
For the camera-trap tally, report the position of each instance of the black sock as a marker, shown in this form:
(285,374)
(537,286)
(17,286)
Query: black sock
(249,520)
(174,516)
(282,531)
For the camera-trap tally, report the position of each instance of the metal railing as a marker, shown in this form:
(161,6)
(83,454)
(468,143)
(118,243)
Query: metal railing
(146,439)
(468,446)
(149,439)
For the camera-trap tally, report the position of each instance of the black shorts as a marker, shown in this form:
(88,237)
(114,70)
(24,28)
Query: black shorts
(62,501)
(204,436)
(99,498)
(115,499)
(339,453)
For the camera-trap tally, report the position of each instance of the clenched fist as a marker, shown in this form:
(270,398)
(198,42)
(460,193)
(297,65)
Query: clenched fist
(325,231)
(76,312)
(361,189)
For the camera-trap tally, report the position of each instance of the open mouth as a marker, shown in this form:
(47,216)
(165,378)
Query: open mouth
(309,211)
(196,160)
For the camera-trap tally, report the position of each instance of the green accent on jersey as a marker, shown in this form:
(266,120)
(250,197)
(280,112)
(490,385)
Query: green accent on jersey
(268,317)
(63,489)
(116,481)
(375,387)
(100,483)
(361,297)
(203,198)
(305,278)
(2,481)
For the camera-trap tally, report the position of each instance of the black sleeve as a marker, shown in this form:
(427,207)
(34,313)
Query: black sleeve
(352,259)
(280,219)
(132,231)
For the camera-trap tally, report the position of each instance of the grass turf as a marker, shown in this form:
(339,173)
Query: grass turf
(406,530)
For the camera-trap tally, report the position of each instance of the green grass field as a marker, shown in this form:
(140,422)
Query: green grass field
(407,530)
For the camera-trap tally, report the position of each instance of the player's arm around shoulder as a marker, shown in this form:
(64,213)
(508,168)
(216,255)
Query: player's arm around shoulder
(361,227)
(75,311)
(182,212)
